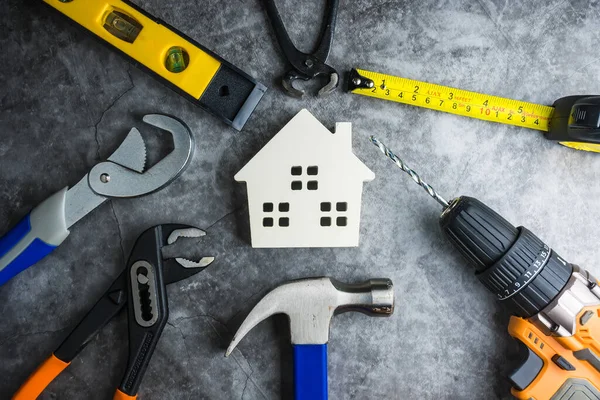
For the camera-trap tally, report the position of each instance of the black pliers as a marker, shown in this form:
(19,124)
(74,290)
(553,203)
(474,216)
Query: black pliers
(143,286)
(306,66)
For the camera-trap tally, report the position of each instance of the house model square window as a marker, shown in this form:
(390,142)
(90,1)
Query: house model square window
(305,187)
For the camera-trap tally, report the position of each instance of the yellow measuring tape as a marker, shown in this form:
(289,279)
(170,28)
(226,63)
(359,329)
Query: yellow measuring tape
(457,101)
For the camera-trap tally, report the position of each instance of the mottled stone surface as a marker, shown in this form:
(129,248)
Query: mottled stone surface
(66,102)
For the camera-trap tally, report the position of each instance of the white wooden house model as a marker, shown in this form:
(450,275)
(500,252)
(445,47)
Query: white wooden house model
(305,187)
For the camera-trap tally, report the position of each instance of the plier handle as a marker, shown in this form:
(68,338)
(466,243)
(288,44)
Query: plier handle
(142,287)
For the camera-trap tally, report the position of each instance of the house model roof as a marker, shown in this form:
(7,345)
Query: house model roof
(303,140)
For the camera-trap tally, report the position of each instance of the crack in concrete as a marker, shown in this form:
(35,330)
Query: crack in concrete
(112,104)
(248,375)
(112,207)
(212,318)
(222,218)
(245,387)
(84,382)
(176,321)
(22,335)
(96,138)
(245,301)
(187,350)
(497,26)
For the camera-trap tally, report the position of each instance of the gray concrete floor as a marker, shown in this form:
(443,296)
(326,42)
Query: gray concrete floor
(66,101)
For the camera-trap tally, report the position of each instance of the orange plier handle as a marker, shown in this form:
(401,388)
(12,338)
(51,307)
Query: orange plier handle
(41,377)
(46,372)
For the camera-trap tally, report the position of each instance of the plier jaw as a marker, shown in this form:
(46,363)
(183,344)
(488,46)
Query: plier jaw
(306,66)
(324,71)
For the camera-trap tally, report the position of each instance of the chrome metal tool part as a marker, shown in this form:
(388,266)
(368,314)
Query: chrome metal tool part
(189,233)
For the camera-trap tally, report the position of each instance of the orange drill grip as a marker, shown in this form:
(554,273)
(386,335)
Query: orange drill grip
(122,396)
(41,378)
(553,381)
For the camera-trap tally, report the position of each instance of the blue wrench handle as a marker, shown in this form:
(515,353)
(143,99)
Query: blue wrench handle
(34,237)
(310,371)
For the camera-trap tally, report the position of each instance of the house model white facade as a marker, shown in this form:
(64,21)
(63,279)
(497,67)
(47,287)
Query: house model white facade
(305,187)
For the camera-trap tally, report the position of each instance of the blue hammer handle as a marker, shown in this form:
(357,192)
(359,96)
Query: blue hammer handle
(310,371)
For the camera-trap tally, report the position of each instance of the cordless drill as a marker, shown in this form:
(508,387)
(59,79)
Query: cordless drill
(555,305)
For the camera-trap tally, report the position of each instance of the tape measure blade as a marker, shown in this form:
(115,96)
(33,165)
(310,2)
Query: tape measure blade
(456,101)
(592,147)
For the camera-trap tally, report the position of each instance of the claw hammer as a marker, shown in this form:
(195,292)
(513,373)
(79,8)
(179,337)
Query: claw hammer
(310,304)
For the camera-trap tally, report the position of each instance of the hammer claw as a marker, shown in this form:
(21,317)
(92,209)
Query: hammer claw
(264,309)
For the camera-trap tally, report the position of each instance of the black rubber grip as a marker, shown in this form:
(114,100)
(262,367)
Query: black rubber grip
(478,232)
(528,277)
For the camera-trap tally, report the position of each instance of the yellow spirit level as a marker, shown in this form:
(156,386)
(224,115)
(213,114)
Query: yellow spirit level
(179,62)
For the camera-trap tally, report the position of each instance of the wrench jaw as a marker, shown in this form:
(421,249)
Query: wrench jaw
(122,175)
(117,178)
(131,153)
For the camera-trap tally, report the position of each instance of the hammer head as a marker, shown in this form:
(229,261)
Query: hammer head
(310,304)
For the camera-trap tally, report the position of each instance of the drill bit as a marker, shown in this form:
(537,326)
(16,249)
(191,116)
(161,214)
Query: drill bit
(415,177)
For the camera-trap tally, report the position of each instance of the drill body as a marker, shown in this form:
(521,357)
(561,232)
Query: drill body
(555,304)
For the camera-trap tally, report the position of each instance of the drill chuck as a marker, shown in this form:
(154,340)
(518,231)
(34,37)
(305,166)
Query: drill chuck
(513,263)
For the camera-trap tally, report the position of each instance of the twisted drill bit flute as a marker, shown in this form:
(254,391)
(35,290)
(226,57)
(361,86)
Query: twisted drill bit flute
(415,177)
